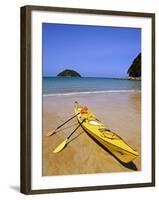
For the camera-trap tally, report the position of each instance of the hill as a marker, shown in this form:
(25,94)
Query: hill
(135,68)
(69,73)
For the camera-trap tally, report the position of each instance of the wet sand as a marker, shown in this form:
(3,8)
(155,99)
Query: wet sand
(121,112)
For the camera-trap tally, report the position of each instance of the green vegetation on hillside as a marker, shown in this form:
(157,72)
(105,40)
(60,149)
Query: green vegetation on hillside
(135,68)
(69,73)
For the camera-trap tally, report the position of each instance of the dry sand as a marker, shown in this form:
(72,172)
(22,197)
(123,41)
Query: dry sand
(121,112)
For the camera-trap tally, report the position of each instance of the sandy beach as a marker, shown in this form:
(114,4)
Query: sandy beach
(120,111)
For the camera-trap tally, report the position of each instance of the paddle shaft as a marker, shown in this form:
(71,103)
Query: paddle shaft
(75,129)
(64,143)
(66,121)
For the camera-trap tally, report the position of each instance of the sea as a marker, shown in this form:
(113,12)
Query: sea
(54,86)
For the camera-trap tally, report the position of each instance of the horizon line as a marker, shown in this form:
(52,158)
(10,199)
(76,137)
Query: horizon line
(82,77)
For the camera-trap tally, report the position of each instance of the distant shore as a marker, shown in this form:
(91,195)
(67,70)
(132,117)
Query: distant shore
(131,78)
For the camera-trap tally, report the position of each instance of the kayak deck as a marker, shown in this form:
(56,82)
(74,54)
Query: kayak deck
(114,143)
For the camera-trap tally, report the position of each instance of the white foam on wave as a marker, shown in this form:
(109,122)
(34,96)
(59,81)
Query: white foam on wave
(90,92)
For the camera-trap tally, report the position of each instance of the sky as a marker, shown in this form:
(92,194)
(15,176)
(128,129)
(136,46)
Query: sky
(92,51)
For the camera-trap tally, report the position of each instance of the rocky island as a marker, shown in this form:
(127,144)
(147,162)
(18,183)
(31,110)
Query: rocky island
(69,73)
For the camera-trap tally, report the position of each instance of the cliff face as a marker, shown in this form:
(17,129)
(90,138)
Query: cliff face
(69,73)
(135,68)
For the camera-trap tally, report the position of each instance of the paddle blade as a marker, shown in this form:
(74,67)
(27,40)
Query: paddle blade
(60,146)
(50,133)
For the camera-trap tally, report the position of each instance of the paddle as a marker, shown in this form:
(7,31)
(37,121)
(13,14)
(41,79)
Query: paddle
(64,143)
(53,131)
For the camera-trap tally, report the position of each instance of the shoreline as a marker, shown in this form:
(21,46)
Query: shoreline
(91,92)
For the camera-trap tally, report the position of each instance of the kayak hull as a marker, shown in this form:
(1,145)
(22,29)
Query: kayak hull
(108,139)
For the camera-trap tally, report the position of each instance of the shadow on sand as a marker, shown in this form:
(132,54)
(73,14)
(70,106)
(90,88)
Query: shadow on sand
(129,165)
(67,127)
(75,137)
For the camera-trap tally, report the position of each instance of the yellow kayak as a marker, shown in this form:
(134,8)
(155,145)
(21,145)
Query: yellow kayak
(114,143)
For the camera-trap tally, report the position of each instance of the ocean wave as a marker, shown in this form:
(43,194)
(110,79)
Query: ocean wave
(90,92)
